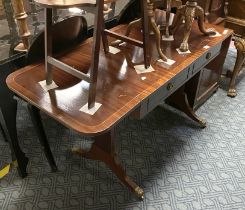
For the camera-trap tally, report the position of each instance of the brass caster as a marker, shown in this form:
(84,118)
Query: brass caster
(139,192)
(232,93)
(202,123)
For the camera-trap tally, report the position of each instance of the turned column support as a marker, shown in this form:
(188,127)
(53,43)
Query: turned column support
(21,18)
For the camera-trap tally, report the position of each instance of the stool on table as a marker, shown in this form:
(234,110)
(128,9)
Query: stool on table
(99,32)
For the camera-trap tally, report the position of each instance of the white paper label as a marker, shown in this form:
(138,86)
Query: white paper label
(140,69)
(91,111)
(47,87)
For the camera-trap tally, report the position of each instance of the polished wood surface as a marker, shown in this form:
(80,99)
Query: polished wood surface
(120,90)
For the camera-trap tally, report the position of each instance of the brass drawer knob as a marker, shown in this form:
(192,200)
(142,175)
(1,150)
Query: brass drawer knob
(170,86)
(208,55)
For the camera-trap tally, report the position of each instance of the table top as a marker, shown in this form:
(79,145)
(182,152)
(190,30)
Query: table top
(120,89)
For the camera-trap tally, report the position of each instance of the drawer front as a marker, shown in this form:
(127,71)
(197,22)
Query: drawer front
(167,89)
(205,59)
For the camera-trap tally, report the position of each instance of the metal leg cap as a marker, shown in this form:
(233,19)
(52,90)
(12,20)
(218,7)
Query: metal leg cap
(232,93)
(139,192)
(203,123)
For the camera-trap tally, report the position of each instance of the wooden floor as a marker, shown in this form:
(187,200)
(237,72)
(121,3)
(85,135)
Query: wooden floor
(120,89)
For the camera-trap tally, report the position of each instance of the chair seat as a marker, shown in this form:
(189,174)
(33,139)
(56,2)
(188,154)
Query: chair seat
(69,3)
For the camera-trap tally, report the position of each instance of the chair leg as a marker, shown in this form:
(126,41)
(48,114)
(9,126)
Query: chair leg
(36,120)
(98,27)
(48,44)
(105,40)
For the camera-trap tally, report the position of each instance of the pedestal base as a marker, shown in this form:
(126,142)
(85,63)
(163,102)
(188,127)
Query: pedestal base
(189,12)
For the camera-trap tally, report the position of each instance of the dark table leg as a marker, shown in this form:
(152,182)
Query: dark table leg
(37,122)
(8,110)
(8,122)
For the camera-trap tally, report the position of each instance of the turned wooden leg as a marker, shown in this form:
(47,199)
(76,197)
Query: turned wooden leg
(134,24)
(189,18)
(103,149)
(168,11)
(240,46)
(21,19)
(180,101)
(201,19)
(190,11)
(37,122)
(98,30)
(158,39)
(146,32)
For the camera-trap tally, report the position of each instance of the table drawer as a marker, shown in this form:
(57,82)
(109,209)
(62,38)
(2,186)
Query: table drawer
(206,58)
(167,89)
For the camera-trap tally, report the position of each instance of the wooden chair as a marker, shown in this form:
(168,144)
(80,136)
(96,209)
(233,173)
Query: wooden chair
(99,33)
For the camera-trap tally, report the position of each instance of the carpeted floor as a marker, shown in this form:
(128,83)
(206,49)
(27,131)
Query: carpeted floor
(179,165)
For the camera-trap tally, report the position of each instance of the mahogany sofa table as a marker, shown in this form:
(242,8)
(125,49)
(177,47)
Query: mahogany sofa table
(120,90)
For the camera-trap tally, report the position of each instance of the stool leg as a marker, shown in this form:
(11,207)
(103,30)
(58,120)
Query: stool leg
(98,26)
(168,11)
(145,27)
(105,40)
(48,43)
(36,120)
